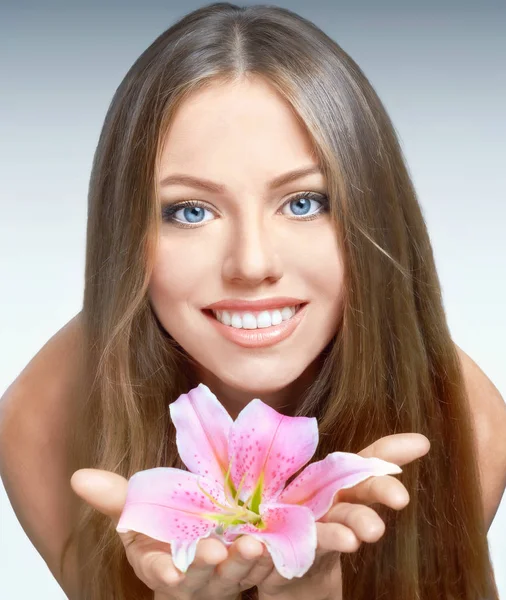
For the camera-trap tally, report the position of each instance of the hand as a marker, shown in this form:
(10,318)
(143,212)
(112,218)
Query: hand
(221,573)
(348,523)
(215,574)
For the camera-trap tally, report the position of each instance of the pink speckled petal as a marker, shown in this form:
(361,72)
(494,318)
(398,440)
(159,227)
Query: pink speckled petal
(215,490)
(265,441)
(202,432)
(167,505)
(316,486)
(289,535)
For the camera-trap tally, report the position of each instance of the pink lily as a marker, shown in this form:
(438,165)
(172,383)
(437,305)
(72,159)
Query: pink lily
(235,483)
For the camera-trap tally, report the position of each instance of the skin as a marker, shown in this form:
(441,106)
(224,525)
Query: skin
(242,136)
(261,247)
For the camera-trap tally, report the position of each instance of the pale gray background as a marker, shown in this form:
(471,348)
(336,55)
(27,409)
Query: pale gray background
(439,67)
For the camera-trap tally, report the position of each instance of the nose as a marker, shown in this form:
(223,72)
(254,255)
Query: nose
(251,257)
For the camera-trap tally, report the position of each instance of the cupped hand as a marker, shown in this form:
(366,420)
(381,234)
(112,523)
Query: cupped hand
(217,573)
(348,523)
(222,573)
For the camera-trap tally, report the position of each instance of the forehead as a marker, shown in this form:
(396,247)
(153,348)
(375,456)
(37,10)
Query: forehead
(241,126)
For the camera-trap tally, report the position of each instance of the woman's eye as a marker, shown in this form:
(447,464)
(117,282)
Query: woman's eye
(303,205)
(186,214)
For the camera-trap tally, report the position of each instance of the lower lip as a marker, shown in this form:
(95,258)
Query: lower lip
(259,338)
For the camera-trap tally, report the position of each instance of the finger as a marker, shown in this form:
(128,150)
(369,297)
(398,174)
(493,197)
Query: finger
(385,490)
(242,556)
(400,448)
(262,569)
(161,573)
(104,490)
(364,522)
(335,537)
(210,552)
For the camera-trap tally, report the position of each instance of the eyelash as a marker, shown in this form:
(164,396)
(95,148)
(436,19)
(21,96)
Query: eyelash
(169,210)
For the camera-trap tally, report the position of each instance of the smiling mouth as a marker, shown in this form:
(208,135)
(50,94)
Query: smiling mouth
(254,320)
(253,336)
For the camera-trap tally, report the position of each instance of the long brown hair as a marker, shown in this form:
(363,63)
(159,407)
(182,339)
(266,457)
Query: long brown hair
(392,366)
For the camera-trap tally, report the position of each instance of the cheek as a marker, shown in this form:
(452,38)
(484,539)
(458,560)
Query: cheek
(318,259)
(176,275)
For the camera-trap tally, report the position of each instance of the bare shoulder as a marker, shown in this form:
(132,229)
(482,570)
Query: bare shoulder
(486,403)
(36,415)
(488,411)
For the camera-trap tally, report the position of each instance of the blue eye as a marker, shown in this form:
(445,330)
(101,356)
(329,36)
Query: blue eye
(193,211)
(301,204)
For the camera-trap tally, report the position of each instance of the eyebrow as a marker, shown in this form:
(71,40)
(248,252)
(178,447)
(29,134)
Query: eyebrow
(211,186)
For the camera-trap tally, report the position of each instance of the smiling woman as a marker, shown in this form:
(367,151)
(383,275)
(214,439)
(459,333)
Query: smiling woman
(253,227)
(254,159)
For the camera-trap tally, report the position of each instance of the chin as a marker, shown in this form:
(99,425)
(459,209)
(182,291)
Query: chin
(257,381)
(258,387)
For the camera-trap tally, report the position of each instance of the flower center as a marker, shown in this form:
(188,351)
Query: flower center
(237,512)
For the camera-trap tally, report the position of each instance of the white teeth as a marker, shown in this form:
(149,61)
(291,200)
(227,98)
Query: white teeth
(247,320)
(264,319)
(286,313)
(236,321)
(276,317)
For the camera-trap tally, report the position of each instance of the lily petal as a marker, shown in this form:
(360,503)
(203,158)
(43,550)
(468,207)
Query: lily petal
(202,431)
(166,504)
(316,486)
(266,443)
(289,535)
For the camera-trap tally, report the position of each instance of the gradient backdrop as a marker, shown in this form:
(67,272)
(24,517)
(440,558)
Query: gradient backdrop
(439,67)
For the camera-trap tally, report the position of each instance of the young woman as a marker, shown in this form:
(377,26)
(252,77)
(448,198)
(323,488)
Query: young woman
(246,164)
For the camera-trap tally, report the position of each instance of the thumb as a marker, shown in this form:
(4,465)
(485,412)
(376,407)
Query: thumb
(398,448)
(103,490)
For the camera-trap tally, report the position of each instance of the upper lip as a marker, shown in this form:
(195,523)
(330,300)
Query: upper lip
(261,304)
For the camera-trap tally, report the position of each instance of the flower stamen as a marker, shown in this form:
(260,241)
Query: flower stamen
(212,499)
(240,488)
(229,487)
